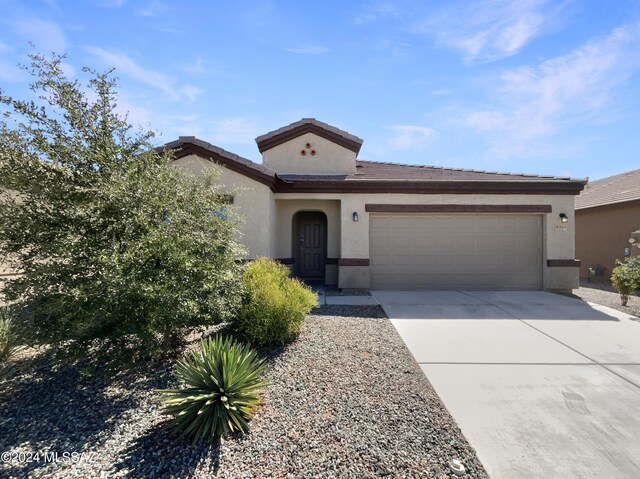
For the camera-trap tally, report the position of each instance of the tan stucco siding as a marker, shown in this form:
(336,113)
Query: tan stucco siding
(285,213)
(558,242)
(286,210)
(328,158)
(252,200)
(602,234)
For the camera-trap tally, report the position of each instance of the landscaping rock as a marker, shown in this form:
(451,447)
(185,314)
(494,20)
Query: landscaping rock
(607,296)
(346,399)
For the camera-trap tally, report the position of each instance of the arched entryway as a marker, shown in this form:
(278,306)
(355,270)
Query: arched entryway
(310,244)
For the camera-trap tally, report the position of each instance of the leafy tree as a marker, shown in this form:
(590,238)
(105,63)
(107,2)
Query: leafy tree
(118,248)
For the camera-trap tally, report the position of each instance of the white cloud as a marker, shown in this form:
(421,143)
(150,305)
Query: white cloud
(152,9)
(395,49)
(161,81)
(194,68)
(12,73)
(190,92)
(407,137)
(43,34)
(136,114)
(489,30)
(483,30)
(379,10)
(68,70)
(110,3)
(127,65)
(537,102)
(234,131)
(487,120)
(307,49)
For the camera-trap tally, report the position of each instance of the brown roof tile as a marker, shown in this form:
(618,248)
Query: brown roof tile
(308,125)
(187,145)
(384,177)
(612,189)
(399,171)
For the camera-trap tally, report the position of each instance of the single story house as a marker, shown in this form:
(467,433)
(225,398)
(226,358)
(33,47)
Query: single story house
(607,214)
(313,205)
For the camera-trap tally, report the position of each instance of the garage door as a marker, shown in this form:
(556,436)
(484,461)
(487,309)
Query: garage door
(455,251)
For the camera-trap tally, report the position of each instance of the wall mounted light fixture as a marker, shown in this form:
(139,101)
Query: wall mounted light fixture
(564,218)
(632,240)
(355,216)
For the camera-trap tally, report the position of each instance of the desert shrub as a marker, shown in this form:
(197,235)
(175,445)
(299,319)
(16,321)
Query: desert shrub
(274,305)
(625,277)
(10,342)
(119,248)
(223,378)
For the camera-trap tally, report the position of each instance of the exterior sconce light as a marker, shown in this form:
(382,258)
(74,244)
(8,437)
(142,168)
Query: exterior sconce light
(356,218)
(632,240)
(564,218)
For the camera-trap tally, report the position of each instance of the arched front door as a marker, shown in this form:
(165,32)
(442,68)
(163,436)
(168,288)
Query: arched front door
(310,244)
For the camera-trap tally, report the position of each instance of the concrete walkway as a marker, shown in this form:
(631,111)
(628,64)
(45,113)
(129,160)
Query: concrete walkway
(542,385)
(342,300)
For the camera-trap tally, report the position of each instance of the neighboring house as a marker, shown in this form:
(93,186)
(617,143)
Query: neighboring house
(607,213)
(356,224)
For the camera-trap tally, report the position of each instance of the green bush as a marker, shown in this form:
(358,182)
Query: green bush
(119,248)
(625,277)
(274,304)
(223,379)
(9,342)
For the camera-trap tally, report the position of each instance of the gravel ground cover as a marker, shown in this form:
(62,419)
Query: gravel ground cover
(345,400)
(607,296)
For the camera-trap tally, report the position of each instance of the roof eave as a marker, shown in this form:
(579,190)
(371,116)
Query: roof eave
(231,161)
(273,139)
(609,203)
(434,187)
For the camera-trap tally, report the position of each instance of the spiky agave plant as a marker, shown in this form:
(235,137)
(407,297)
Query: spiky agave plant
(223,379)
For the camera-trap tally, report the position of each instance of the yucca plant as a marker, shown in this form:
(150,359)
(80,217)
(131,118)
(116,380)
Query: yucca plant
(9,341)
(223,379)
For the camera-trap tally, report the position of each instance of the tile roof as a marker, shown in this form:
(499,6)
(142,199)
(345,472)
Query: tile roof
(382,177)
(192,140)
(399,171)
(610,190)
(308,125)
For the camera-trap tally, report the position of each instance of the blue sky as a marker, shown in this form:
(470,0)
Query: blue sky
(550,87)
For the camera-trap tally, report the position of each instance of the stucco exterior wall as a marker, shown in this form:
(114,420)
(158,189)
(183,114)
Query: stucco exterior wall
(285,212)
(252,200)
(558,239)
(328,158)
(267,229)
(602,234)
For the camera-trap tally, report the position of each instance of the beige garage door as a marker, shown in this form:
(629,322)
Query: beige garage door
(455,251)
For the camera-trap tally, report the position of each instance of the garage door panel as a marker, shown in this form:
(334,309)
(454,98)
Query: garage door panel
(401,241)
(414,251)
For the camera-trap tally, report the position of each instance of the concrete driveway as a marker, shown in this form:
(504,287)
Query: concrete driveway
(542,385)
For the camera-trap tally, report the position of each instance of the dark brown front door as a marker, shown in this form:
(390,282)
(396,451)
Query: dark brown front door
(311,239)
